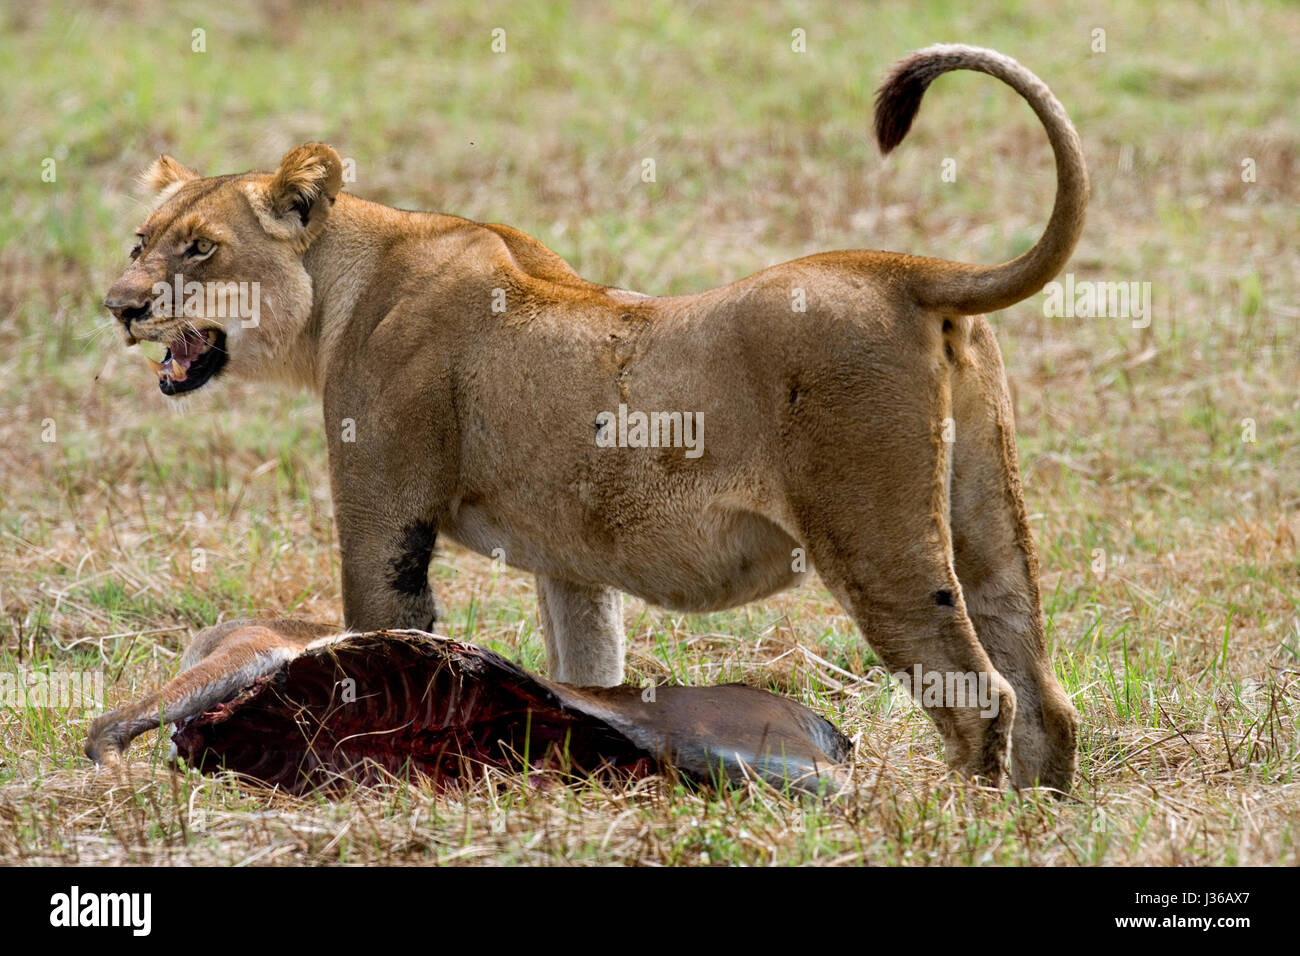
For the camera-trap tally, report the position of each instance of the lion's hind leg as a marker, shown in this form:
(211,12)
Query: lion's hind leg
(911,613)
(997,565)
(869,494)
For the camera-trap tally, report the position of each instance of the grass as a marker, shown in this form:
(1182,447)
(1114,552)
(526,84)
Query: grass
(1168,538)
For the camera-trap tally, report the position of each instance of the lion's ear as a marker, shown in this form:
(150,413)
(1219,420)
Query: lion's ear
(304,186)
(166,173)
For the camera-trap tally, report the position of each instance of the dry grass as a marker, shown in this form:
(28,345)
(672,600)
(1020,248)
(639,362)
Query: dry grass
(1182,656)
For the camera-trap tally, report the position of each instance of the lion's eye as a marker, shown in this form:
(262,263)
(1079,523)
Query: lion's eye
(139,246)
(200,248)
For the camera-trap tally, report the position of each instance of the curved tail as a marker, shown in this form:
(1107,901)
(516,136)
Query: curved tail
(959,287)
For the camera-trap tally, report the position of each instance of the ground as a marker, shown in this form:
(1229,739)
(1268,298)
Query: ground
(1161,463)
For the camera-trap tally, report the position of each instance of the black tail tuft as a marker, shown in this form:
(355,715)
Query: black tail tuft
(899,97)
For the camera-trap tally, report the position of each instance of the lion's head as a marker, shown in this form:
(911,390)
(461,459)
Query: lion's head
(217,272)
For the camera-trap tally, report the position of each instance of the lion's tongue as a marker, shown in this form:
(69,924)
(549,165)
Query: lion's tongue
(187,349)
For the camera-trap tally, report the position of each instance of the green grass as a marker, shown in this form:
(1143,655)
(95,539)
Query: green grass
(1182,656)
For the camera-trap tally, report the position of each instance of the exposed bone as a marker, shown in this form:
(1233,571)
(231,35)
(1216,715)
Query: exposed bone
(258,700)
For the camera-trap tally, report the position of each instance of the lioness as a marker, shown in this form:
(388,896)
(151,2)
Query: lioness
(469,376)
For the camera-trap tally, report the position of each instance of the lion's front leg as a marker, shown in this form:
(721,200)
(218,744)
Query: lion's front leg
(391,476)
(583,628)
(386,540)
(386,569)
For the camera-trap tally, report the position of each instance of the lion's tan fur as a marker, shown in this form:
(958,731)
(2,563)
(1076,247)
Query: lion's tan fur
(461,367)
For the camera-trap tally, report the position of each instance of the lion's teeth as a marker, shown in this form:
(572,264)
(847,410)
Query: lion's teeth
(178,372)
(156,367)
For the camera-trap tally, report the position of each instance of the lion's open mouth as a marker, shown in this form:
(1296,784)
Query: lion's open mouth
(190,361)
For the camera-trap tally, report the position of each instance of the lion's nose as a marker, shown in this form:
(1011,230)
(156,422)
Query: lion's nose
(127,311)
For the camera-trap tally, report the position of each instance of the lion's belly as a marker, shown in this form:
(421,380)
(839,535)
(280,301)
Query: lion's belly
(689,564)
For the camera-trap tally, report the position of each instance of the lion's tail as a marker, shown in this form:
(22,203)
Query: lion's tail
(962,288)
